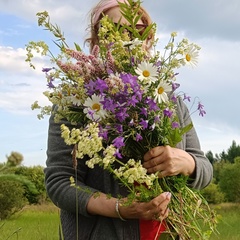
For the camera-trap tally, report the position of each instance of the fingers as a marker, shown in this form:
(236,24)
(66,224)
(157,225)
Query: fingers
(153,159)
(163,215)
(158,165)
(158,207)
(163,159)
(153,153)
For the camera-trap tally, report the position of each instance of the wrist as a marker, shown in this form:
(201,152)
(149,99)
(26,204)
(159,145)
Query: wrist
(118,211)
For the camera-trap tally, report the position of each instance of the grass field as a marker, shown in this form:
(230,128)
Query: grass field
(41,223)
(228,227)
(32,223)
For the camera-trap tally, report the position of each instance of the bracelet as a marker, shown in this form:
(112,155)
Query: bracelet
(117,210)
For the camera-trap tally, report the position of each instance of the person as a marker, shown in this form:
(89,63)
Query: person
(85,216)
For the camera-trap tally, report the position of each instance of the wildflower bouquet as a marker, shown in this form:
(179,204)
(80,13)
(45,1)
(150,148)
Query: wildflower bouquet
(125,100)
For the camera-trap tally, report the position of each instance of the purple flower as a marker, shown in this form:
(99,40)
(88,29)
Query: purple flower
(144,123)
(156,119)
(119,128)
(132,101)
(47,69)
(158,64)
(186,97)
(109,71)
(144,112)
(167,112)
(202,112)
(174,98)
(131,123)
(118,142)
(152,104)
(122,114)
(90,87)
(104,134)
(175,86)
(175,125)
(110,45)
(101,85)
(200,106)
(138,137)
(132,61)
(118,154)
(108,104)
(50,82)
(91,113)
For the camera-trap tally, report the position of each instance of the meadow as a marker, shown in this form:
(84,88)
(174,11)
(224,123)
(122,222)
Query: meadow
(35,222)
(41,223)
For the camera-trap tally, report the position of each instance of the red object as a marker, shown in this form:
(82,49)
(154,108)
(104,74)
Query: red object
(151,229)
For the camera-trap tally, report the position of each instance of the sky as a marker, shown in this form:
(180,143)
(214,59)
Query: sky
(213,25)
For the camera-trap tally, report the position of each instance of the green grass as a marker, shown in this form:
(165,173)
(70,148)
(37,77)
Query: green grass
(228,226)
(41,223)
(34,222)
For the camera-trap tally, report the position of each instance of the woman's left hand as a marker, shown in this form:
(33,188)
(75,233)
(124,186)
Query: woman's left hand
(169,161)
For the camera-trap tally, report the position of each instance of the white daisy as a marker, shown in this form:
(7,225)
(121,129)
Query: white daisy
(147,72)
(75,99)
(93,108)
(161,92)
(191,55)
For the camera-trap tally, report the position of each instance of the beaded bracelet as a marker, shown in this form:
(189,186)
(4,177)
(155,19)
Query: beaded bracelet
(117,210)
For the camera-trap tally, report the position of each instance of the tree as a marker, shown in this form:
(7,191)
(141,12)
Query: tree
(217,168)
(229,181)
(35,175)
(15,159)
(233,152)
(210,156)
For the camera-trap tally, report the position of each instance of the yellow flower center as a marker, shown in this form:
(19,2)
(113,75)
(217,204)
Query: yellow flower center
(188,57)
(160,90)
(146,73)
(96,107)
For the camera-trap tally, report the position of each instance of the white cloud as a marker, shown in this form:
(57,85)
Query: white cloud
(216,136)
(13,61)
(20,85)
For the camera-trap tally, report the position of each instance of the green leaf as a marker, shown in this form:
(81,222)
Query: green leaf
(77,46)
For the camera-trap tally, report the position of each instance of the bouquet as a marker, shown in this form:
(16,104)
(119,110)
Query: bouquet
(125,99)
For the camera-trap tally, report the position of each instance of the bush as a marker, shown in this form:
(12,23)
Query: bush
(36,176)
(11,198)
(213,194)
(229,182)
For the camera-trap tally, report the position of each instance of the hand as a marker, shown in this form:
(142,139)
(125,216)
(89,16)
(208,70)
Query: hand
(156,209)
(169,161)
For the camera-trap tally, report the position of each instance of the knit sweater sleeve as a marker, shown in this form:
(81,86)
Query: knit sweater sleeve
(190,143)
(59,169)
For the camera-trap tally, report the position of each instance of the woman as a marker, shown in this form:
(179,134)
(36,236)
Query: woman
(101,217)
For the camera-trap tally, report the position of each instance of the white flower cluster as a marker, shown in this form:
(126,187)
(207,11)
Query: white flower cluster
(106,160)
(88,141)
(133,171)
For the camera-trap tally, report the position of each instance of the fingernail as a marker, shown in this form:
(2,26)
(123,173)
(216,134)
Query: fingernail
(168,194)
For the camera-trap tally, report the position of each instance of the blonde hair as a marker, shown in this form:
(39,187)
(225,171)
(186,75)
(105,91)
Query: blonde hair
(98,12)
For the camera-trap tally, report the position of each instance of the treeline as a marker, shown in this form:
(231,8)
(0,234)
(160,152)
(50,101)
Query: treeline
(225,186)
(21,185)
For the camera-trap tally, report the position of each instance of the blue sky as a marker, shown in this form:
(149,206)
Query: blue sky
(214,25)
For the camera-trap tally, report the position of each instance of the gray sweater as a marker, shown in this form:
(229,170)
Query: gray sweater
(60,168)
